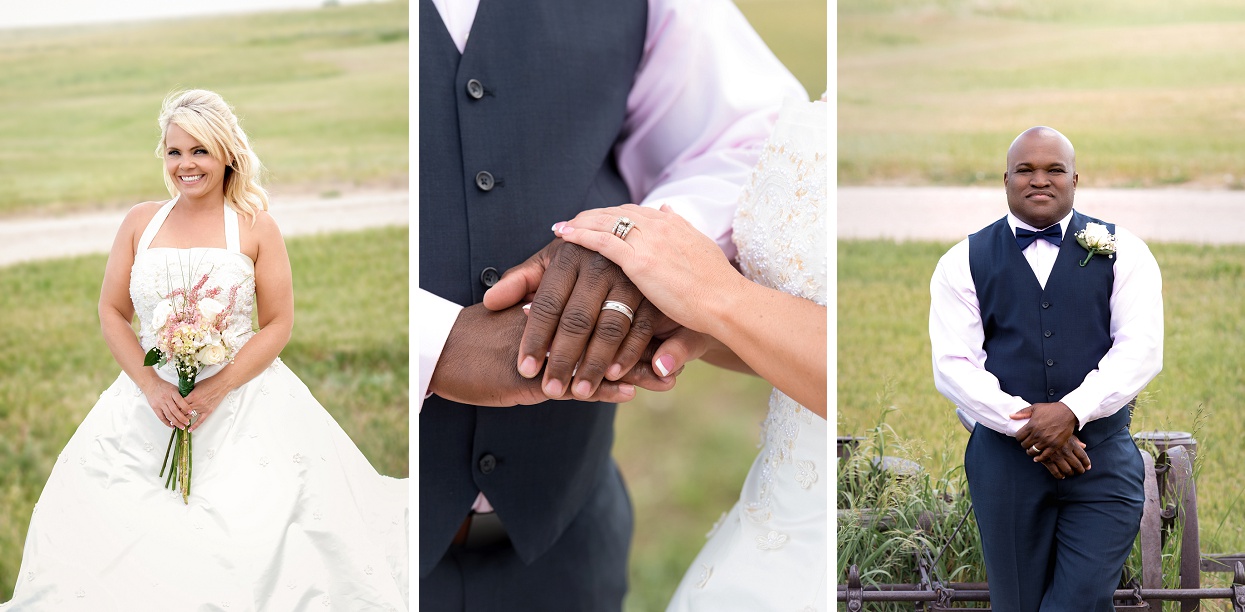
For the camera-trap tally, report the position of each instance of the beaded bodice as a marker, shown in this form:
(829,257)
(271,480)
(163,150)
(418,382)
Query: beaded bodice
(780,226)
(158,271)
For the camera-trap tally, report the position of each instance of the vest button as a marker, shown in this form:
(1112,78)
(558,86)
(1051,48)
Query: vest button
(1050,391)
(1046,333)
(1050,362)
(475,89)
(484,181)
(489,276)
(1045,304)
(488,463)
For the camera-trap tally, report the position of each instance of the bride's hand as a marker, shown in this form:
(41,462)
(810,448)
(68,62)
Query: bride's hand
(678,269)
(167,403)
(207,395)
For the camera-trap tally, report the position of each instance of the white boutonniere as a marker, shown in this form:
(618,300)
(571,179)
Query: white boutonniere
(1097,240)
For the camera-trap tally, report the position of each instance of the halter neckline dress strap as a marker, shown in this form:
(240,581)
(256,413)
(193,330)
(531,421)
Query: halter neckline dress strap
(233,240)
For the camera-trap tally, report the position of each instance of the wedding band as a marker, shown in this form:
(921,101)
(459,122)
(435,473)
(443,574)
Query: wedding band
(622,226)
(194,413)
(619,307)
(1035,449)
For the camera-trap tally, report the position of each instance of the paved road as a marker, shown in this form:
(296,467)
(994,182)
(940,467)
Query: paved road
(950,213)
(28,239)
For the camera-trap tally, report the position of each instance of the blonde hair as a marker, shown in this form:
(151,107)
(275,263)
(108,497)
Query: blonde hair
(209,119)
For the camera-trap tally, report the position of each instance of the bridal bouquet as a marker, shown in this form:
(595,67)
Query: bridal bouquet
(189,325)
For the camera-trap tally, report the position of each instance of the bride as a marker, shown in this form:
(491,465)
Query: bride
(277,509)
(769,552)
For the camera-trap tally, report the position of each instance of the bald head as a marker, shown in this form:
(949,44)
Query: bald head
(1041,176)
(1042,133)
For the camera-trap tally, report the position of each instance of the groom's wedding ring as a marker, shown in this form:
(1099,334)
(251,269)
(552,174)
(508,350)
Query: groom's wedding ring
(619,307)
(621,227)
(1035,450)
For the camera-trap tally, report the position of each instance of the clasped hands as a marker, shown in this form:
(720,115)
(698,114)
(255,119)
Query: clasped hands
(495,352)
(1048,438)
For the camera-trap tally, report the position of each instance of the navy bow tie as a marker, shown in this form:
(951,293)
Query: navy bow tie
(1025,237)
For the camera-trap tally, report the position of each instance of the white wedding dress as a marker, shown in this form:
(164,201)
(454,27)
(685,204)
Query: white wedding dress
(770,551)
(284,511)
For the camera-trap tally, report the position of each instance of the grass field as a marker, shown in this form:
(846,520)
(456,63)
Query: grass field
(322,94)
(351,353)
(685,453)
(931,92)
(884,361)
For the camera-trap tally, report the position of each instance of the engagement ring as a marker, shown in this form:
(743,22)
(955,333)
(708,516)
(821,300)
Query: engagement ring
(623,226)
(619,307)
(194,413)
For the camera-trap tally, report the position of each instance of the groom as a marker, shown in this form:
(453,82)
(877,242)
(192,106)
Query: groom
(1045,344)
(547,108)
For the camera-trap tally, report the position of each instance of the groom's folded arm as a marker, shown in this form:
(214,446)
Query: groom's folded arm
(1136,354)
(956,339)
(436,319)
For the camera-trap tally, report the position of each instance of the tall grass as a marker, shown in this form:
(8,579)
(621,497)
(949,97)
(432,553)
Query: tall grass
(931,92)
(351,352)
(322,93)
(883,349)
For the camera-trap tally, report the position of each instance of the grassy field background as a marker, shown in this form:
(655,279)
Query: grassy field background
(685,453)
(932,91)
(323,96)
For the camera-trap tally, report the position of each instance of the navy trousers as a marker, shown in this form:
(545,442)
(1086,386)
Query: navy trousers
(585,570)
(1054,545)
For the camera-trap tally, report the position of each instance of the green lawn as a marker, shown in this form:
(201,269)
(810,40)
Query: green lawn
(931,92)
(322,94)
(884,362)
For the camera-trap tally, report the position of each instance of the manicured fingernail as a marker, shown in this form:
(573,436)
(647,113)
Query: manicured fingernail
(557,226)
(583,389)
(665,365)
(553,388)
(528,368)
(614,372)
(565,229)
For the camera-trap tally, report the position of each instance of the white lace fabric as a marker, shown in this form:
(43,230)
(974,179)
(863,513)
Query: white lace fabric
(770,551)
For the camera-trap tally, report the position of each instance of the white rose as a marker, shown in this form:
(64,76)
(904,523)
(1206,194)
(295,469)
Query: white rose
(1097,236)
(209,308)
(211,354)
(160,316)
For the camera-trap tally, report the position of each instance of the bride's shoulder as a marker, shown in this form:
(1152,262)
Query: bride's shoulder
(139,215)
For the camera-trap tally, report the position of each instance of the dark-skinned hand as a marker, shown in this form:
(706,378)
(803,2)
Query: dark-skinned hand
(1046,437)
(477,365)
(1065,461)
(578,343)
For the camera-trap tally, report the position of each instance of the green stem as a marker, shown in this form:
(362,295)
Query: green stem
(1086,260)
(165,463)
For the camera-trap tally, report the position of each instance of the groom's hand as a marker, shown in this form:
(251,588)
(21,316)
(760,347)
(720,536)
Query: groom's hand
(568,285)
(1065,461)
(1050,427)
(477,364)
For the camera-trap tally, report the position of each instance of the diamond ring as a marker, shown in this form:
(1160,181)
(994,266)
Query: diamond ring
(622,226)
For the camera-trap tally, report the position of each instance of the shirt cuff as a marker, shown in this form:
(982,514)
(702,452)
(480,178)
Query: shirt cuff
(437,316)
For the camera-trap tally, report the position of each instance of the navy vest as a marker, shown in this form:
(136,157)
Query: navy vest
(515,134)
(1042,342)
